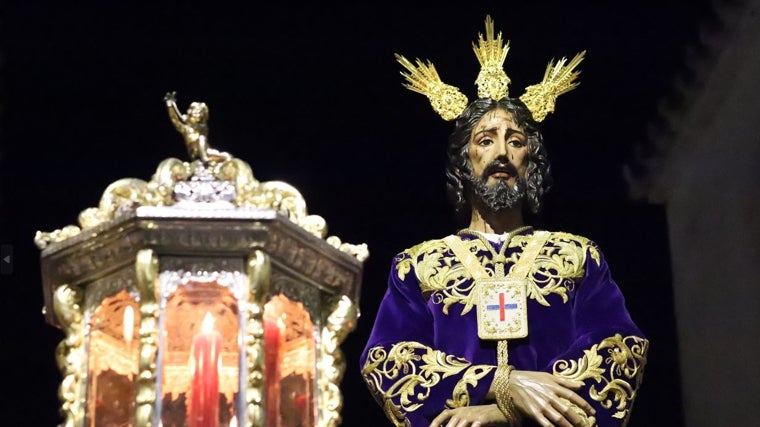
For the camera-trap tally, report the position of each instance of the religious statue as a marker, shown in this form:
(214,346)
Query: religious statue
(499,323)
(194,128)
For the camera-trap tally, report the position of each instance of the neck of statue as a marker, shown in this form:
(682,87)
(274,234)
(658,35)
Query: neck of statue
(504,221)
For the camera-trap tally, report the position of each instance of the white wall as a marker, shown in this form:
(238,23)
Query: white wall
(710,184)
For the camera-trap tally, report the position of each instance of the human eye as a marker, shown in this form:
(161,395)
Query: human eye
(485,142)
(516,142)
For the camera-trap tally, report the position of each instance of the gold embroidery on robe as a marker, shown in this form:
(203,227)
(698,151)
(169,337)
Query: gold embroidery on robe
(617,367)
(439,273)
(559,264)
(461,396)
(414,369)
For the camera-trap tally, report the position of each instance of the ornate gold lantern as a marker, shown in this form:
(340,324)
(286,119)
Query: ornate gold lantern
(201,298)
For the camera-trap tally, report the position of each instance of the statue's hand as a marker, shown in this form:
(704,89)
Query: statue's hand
(470,416)
(170,97)
(548,399)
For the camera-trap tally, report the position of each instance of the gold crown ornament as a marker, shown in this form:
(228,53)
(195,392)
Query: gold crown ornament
(449,102)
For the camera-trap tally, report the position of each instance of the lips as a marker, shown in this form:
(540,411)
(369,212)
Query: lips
(500,170)
(501,173)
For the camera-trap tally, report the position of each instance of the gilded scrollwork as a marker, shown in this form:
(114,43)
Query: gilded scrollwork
(405,375)
(258,270)
(561,261)
(341,320)
(122,195)
(146,271)
(70,353)
(616,365)
(361,251)
(42,238)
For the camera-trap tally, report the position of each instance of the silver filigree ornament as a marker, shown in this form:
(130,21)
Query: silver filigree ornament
(204,190)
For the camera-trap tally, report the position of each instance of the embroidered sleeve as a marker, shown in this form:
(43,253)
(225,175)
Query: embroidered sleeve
(409,378)
(609,351)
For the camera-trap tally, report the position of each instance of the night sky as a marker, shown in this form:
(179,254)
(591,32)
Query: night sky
(312,96)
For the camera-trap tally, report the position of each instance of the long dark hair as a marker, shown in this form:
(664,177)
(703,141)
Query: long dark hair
(538,175)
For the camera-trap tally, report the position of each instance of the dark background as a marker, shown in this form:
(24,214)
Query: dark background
(312,96)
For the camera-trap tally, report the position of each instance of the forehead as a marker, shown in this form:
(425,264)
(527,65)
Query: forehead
(496,118)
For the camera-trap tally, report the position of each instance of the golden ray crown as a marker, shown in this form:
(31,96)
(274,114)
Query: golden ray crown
(492,81)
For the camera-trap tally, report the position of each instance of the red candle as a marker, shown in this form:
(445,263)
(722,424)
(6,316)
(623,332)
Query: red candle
(271,365)
(204,393)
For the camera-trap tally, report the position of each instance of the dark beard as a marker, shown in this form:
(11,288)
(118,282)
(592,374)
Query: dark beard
(499,196)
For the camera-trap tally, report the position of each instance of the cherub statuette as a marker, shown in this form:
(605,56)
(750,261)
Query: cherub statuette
(194,129)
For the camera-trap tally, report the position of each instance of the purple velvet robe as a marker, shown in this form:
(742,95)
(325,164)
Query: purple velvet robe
(424,354)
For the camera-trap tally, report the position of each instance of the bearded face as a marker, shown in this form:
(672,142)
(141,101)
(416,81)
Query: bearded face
(498,195)
(498,161)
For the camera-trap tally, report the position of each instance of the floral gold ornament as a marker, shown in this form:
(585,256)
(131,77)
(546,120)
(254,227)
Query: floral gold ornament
(415,369)
(446,100)
(616,365)
(491,52)
(432,261)
(558,79)
(167,291)
(492,81)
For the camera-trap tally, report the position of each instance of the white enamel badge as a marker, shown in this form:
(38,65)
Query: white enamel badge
(502,308)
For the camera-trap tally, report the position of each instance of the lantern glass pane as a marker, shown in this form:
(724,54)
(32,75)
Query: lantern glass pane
(200,355)
(290,363)
(113,361)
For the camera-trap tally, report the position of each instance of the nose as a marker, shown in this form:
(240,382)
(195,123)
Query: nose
(503,148)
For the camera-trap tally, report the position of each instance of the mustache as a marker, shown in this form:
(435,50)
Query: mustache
(499,166)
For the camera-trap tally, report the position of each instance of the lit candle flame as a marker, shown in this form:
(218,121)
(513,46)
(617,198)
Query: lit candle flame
(208,323)
(129,324)
(233,421)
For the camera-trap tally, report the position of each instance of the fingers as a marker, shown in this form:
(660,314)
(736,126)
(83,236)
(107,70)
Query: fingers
(454,421)
(565,390)
(577,400)
(560,406)
(568,413)
(566,382)
(552,405)
(440,419)
(469,416)
(540,409)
